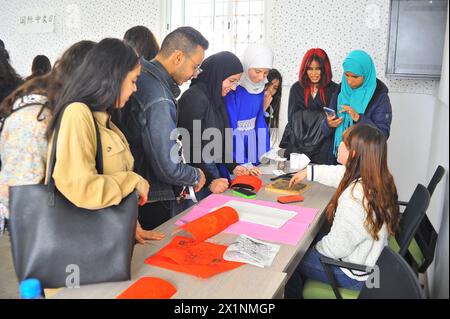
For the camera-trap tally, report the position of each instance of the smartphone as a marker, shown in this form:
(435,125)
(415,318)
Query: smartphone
(245,193)
(290,199)
(329,112)
(245,186)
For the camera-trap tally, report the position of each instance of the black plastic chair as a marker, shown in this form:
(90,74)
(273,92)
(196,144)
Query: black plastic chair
(396,278)
(422,251)
(412,218)
(437,177)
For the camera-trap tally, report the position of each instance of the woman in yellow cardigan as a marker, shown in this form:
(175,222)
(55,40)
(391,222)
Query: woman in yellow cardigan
(104,81)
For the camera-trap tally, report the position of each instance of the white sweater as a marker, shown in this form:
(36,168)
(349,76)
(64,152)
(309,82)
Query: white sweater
(348,238)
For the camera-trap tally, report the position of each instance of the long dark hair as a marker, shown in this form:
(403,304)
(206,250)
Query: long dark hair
(367,161)
(36,85)
(8,76)
(274,74)
(65,66)
(98,80)
(143,41)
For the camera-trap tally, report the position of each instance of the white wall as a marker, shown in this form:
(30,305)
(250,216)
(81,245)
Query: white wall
(338,27)
(438,211)
(439,206)
(410,140)
(97,19)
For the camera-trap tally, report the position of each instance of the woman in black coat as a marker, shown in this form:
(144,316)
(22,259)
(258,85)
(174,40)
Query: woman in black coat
(203,103)
(308,96)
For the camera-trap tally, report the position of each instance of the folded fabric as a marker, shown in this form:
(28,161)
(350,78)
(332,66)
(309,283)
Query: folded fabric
(149,288)
(247,180)
(211,224)
(201,259)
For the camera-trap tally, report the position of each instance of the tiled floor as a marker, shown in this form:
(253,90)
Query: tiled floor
(8,281)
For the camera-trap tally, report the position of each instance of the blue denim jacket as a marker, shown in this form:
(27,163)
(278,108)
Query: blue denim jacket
(149,121)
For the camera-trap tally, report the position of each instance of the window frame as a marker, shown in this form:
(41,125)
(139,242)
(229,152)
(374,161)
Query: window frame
(166,21)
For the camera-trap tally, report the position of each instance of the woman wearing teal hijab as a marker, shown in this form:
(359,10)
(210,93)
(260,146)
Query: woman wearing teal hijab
(361,98)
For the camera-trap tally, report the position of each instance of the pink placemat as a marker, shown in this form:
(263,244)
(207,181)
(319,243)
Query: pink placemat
(290,233)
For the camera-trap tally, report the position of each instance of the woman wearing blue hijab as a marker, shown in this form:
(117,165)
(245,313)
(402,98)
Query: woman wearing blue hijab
(245,107)
(361,98)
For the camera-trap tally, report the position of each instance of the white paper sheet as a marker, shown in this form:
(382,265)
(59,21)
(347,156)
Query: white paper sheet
(262,215)
(251,251)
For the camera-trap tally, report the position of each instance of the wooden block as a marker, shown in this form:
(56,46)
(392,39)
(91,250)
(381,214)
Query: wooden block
(282,187)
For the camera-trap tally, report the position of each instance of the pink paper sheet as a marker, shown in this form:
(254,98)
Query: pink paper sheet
(290,233)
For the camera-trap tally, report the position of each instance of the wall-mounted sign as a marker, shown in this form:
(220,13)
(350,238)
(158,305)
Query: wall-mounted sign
(36,21)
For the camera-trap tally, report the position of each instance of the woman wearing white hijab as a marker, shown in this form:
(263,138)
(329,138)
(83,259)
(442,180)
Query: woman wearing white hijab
(245,106)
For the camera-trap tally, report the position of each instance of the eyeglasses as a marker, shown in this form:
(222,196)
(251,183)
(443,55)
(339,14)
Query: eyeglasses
(198,68)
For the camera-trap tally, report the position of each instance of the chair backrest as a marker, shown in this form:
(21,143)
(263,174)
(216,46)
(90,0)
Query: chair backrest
(412,217)
(437,176)
(426,236)
(396,279)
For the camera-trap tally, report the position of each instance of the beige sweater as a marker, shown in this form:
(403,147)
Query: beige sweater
(75,173)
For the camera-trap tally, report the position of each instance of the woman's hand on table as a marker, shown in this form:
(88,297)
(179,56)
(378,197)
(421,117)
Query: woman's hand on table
(240,171)
(143,235)
(218,186)
(298,178)
(255,171)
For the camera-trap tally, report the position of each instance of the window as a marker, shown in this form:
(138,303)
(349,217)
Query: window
(228,24)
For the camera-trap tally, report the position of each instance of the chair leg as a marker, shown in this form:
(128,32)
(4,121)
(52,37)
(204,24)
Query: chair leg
(423,280)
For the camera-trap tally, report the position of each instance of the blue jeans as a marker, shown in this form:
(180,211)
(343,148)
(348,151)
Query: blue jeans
(311,268)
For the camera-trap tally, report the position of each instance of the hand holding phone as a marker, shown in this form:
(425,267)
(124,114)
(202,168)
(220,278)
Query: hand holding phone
(329,112)
(290,199)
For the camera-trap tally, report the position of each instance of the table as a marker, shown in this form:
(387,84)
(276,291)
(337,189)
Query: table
(242,283)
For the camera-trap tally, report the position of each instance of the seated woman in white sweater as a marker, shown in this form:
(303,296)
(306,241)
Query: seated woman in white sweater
(363,211)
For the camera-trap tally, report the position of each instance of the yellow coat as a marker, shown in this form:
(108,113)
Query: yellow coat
(75,173)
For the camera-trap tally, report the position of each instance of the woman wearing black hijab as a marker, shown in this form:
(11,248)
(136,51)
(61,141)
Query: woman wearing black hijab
(203,103)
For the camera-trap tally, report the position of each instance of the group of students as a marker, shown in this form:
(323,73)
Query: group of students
(128,92)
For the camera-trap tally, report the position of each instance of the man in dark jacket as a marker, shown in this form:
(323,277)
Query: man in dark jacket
(149,123)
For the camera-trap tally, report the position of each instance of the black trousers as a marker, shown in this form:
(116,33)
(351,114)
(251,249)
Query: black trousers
(154,214)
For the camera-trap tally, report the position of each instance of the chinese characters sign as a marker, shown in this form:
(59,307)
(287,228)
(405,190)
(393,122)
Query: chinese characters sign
(36,21)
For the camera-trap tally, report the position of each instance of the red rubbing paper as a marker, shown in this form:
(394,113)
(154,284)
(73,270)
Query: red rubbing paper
(211,224)
(248,180)
(201,259)
(149,288)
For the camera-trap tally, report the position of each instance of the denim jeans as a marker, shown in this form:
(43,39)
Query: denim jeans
(311,268)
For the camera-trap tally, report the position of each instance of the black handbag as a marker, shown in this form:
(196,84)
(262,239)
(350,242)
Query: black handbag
(63,245)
